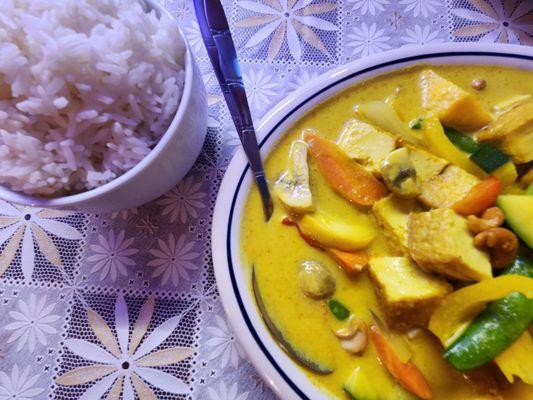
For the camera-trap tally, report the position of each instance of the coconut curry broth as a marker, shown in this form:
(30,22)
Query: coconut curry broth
(277,250)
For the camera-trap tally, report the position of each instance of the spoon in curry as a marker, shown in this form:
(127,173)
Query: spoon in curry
(221,50)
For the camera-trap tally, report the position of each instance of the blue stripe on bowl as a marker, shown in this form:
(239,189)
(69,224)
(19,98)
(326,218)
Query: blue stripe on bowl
(252,330)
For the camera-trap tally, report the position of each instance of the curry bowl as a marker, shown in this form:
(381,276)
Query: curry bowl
(263,341)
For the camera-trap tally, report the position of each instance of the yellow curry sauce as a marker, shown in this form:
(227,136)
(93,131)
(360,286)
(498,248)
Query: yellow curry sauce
(277,250)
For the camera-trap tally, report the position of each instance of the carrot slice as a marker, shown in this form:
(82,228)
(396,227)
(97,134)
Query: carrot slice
(347,177)
(407,374)
(480,197)
(350,262)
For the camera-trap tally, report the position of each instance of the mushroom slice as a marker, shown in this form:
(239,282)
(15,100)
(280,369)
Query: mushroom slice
(399,173)
(292,187)
(315,280)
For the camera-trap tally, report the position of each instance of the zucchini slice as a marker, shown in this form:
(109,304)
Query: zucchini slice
(361,386)
(289,348)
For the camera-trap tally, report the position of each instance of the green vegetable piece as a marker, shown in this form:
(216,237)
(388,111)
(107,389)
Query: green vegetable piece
(491,332)
(276,332)
(463,142)
(518,210)
(488,157)
(338,309)
(529,190)
(417,123)
(520,266)
(361,386)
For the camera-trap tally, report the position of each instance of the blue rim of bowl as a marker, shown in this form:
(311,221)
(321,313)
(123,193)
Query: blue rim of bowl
(236,291)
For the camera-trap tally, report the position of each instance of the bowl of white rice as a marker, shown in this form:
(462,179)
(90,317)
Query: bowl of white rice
(102,106)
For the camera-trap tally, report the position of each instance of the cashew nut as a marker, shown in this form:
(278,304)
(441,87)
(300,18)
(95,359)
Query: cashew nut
(353,336)
(503,245)
(354,324)
(356,344)
(491,218)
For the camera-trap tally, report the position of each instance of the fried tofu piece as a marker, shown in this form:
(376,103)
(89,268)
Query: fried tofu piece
(392,215)
(408,294)
(447,188)
(427,165)
(512,131)
(455,106)
(439,241)
(366,143)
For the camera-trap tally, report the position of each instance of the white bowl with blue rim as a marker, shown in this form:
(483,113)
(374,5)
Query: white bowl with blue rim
(283,375)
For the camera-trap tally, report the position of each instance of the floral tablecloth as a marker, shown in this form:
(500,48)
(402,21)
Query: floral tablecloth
(104,306)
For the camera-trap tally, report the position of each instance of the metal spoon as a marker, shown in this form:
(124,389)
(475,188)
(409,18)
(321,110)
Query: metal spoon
(221,50)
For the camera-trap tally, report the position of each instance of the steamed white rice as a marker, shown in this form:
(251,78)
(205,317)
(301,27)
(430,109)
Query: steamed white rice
(87,88)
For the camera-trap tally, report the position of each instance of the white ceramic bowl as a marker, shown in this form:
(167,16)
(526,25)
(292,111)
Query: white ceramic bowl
(233,278)
(161,169)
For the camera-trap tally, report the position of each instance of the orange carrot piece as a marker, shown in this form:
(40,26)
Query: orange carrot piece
(351,263)
(480,197)
(407,374)
(347,177)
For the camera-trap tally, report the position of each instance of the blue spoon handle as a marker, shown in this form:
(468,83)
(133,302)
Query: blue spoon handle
(221,50)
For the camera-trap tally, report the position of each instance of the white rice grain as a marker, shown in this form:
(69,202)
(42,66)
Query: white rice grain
(87,88)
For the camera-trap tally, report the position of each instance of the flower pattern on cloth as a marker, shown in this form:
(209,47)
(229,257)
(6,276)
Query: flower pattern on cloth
(112,255)
(493,21)
(103,289)
(286,20)
(173,259)
(124,363)
(224,344)
(19,384)
(31,323)
(27,228)
(184,201)
(367,40)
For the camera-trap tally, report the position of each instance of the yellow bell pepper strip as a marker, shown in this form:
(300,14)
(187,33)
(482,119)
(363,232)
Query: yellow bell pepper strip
(460,307)
(506,173)
(516,360)
(383,115)
(439,144)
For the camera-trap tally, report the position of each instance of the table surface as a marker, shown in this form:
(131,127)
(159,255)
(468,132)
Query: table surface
(75,292)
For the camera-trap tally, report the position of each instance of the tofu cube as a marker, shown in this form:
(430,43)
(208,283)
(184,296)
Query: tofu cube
(455,106)
(427,165)
(392,216)
(409,295)
(513,132)
(366,144)
(440,242)
(447,188)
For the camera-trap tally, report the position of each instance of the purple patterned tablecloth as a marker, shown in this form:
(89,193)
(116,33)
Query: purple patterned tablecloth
(125,305)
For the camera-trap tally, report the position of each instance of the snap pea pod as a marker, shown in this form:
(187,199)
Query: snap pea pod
(491,332)
(520,266)
(495,328)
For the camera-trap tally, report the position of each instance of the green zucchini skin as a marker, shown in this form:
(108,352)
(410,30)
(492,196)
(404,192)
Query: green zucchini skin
(489,157)
(463,142)
(491,332)
(289,348)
